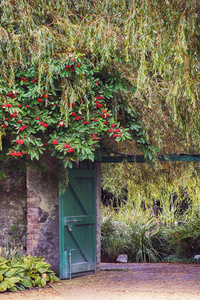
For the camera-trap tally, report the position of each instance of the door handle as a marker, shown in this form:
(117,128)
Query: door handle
(67,221)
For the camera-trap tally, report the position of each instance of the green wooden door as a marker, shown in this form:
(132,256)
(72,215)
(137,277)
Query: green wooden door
(77,209)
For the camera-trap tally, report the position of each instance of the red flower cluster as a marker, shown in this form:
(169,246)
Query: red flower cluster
(23,79)
(55,142)
(6,105)
(13,115)
(12,94)
(94,137)
(77,118)
(43,124)
(20,141)
(85,122)
(98,104)
(23,127)
(116,135)
(66,146)
(35,80)
(70,150)
(99,97)
(12,153)
(77,65)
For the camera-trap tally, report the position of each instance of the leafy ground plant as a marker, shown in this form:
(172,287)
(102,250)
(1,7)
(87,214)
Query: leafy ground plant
(24,272)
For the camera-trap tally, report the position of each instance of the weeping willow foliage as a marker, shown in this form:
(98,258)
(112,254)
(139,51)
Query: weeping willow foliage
(154,44)
(170,185)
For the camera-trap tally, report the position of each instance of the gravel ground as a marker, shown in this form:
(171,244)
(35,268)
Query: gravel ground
(123,282)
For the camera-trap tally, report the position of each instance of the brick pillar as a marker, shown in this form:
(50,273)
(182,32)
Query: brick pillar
(33,226)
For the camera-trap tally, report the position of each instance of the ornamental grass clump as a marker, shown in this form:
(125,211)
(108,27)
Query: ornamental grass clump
(134,232)
(17,274)
(148,243)
(114,236)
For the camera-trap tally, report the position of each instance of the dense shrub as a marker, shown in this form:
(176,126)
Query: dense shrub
(185,239)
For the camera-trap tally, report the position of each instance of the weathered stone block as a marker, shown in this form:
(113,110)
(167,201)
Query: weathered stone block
(13,209)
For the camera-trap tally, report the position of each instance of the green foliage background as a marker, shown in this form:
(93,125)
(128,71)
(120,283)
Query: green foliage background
(155,44)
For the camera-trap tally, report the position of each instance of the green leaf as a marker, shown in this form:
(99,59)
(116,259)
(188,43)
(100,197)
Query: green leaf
(3,286)
(42,267)
(43,282)
(12,279)
(20,287)
(10,273)
(13,289)
(3,268)
(26,283)
(38,280)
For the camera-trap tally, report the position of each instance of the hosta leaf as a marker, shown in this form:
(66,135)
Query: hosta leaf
(13,289)
(43,282)
(26,283)
(20,274)
(10,273)
(42,267)
(3,269)
(3,286)
(12,279)
(20,287)
(1,277)
(38,280)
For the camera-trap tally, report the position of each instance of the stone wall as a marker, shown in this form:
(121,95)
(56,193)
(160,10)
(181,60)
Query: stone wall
(43,212)
(13,209)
